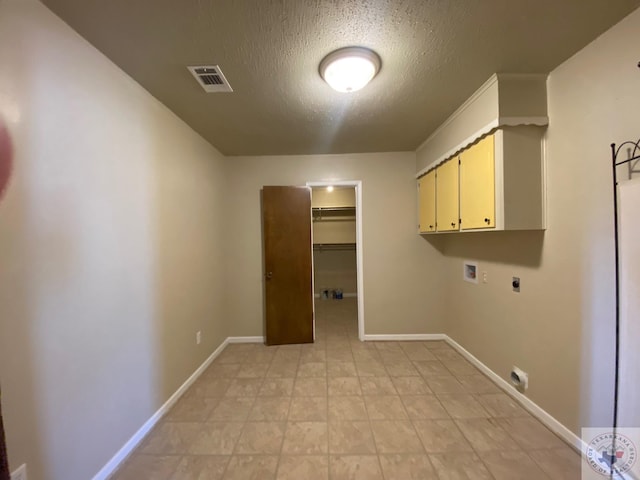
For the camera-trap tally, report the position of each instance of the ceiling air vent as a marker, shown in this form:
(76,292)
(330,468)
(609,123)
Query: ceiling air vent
(211,79)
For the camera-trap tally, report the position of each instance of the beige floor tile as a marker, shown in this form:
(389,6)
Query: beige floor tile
(486,435)
(192,409)
(230,356)
(306,438)
(252,370)
(171,438)
(310,409)
(216,438)
(386,346)
(282,369)
(344,386)
(391,358)
(501,405)
(265,355)
(447,354)
(139,466)
(351,438)
(462,405)
(424,407)
(371,369)
(200,467)
(515,465)
(366,355)
(303,467)
(445,384)
(396,436)
(270,409)
(377,386)
(441,436)
(252,467)
(407,467)
(385,407)
(260,438)
(433,368)
(341,369)
(401,369)
(459,466)
(312,356)
(347,408)
(437,345)
(529,433)
(286,356)
(355,467)
(309,387)
(478,384)
(562,463)
(339,354)
(417,351)
(227,370)
(340,407)
(410,385)
(312,369)
(210,387)
(276,387)
(232,409)
(244,387)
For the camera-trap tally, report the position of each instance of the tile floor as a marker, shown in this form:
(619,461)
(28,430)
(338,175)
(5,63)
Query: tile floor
(341,409)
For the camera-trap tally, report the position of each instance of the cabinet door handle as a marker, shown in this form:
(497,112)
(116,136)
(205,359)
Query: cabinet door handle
(431,227)
(487,220)
(453,224)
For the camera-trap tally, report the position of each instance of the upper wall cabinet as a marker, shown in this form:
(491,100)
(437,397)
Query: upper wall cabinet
(495,184)
(478,186)
(487,160)
(447,200)
(427,202)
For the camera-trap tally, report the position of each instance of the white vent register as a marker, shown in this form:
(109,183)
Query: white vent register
(211,78)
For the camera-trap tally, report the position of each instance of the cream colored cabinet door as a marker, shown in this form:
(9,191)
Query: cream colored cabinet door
(427,202)
(477,186)
(447,211)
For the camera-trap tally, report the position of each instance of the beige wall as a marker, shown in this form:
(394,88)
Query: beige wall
(335,269)
(402,291)
(106,234)
(560,328)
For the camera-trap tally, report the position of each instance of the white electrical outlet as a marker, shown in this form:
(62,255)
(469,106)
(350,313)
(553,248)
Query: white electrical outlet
(20,473)
(198,337)
(484,276)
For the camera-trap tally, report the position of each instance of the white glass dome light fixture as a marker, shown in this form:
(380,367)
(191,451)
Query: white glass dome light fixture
(349,69)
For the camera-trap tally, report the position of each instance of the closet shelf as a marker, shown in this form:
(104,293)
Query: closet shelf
(333,213)
(319,247)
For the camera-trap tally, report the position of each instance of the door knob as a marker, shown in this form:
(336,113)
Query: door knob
(269,275)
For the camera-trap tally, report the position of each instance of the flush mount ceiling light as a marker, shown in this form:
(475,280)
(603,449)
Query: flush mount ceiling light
(349,69)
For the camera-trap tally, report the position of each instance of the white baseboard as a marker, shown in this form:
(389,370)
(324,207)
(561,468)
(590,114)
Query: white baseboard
(122,454)
(408,337)
(551,423)
(245,340)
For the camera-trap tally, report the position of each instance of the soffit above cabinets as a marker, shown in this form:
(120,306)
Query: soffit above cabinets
(434,55)
(505,100)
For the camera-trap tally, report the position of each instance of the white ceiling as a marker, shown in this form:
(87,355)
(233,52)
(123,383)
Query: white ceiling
(435,54)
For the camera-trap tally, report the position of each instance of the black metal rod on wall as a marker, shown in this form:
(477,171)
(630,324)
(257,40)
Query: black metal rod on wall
(633,155)
(4,458)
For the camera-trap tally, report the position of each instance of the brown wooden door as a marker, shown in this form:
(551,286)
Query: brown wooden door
(286,217)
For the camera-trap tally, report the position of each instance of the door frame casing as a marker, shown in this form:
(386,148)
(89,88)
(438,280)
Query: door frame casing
(359,258)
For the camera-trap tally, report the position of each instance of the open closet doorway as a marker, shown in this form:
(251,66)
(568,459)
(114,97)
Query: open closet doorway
(337,258)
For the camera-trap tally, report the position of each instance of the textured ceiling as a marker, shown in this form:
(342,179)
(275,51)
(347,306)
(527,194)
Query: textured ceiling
(435,54)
